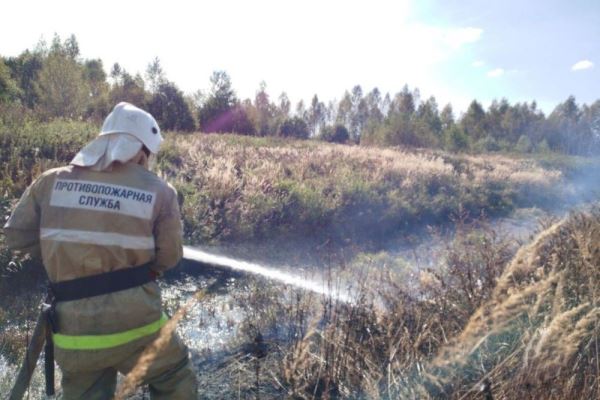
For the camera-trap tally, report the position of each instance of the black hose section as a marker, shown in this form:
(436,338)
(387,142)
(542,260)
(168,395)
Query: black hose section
(49,363)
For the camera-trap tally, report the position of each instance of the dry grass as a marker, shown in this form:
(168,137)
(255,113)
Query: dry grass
(369,348)
(246,188)
(537,337)
(527,331)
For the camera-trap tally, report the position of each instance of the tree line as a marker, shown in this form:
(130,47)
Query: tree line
(54,81)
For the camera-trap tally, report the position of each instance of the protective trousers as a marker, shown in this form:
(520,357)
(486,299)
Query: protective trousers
(169,376)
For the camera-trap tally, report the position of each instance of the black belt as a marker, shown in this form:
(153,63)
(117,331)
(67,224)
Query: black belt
(81,288)
(108,282)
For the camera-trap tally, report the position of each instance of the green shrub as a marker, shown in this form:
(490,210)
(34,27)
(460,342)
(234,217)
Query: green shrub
(455,139)
(335,134)
(524,144)
(294,128)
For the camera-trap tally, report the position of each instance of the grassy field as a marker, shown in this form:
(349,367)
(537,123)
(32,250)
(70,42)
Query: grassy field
(241,188)
(238,188)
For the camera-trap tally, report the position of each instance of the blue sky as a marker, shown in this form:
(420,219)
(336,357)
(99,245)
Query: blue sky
(533,46)
(455,50)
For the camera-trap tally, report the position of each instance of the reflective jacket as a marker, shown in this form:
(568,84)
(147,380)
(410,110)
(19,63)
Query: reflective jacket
(87,223)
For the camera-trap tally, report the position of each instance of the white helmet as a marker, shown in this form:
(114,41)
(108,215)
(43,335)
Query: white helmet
(127,118)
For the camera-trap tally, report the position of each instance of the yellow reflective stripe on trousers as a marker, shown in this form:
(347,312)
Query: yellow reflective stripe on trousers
(96,342)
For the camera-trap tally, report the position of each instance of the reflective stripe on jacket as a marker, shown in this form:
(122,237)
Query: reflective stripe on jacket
(86,223)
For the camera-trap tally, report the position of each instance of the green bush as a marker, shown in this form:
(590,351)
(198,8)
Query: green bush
(487,143)
(294,128)
(455,139)
(524,144)
(335,134)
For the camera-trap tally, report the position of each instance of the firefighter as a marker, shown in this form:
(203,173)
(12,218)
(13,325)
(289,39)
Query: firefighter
(105,227)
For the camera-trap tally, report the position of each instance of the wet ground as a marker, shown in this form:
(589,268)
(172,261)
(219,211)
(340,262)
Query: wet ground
(211,326)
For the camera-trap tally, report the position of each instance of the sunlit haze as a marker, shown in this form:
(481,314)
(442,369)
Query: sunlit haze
(454,50)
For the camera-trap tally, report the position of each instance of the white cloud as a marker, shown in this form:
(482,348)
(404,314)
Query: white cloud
(581,65)
(495,73)
(478,64)
(458,37)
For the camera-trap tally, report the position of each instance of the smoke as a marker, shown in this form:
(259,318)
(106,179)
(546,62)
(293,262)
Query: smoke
(583,188)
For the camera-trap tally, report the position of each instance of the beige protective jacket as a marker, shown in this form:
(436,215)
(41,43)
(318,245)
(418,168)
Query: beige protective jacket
(87,223)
